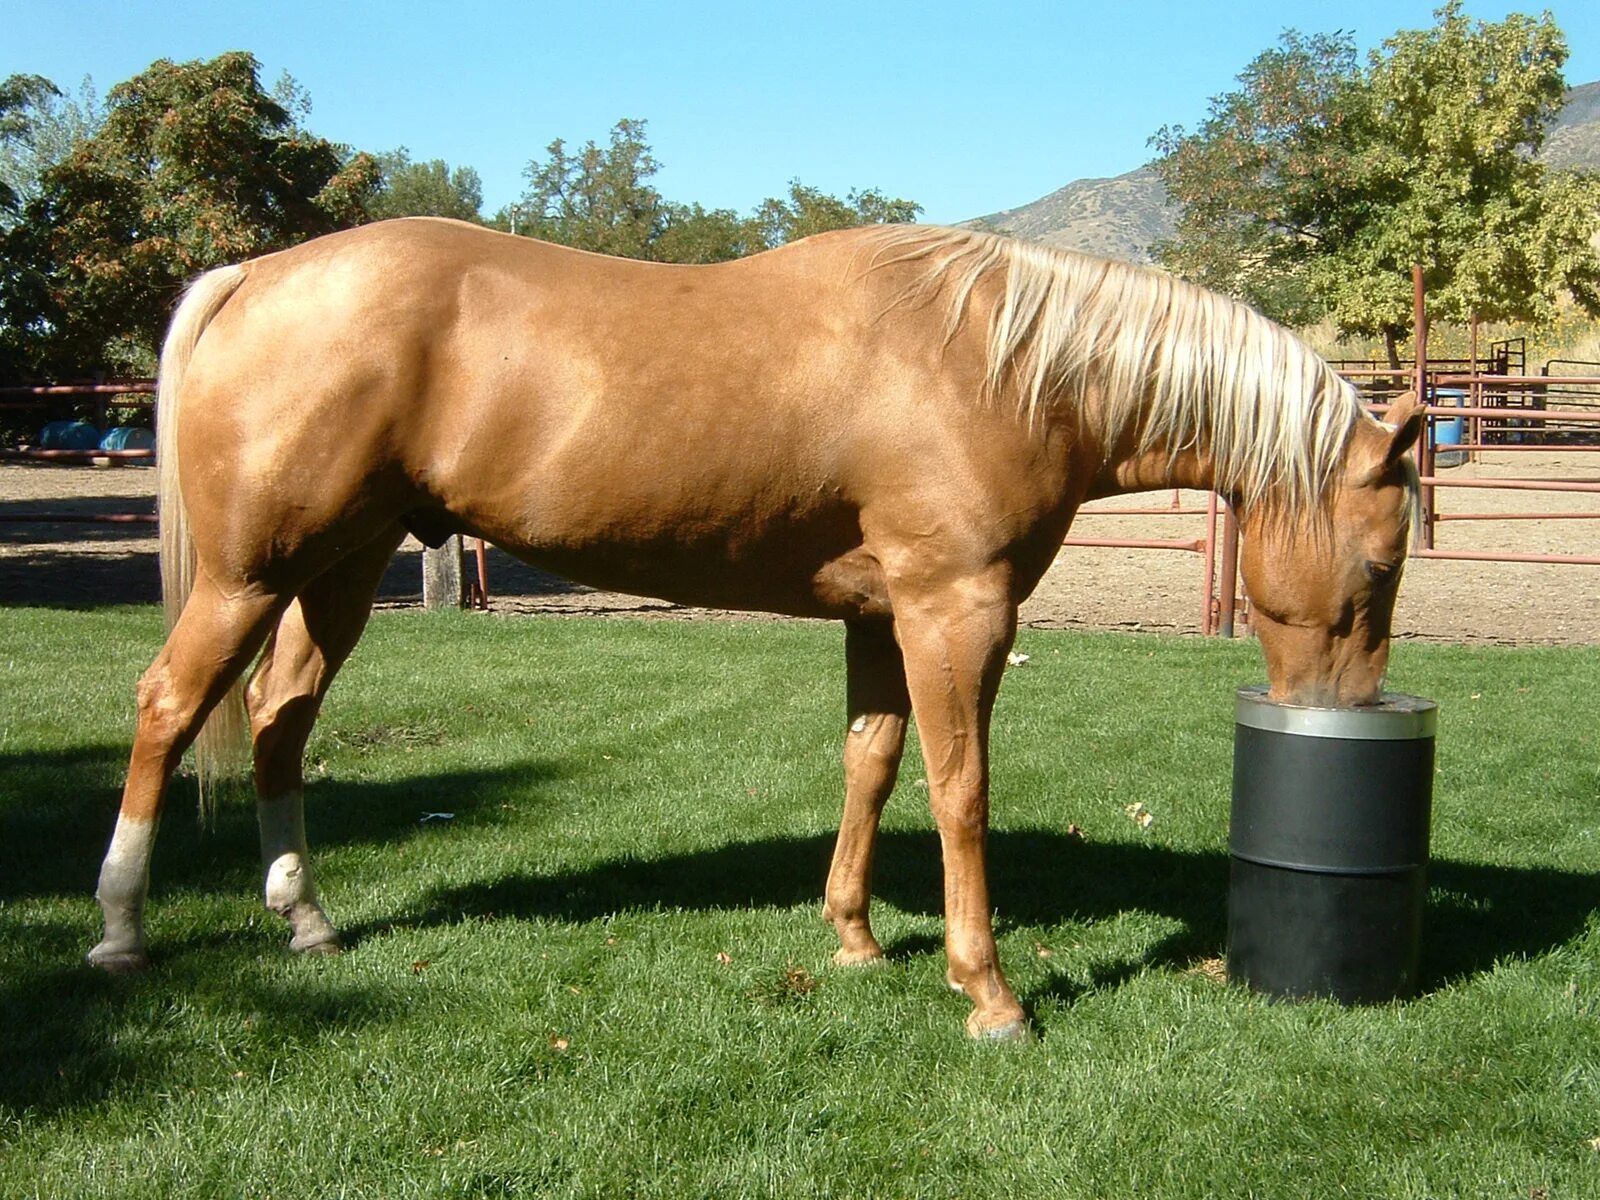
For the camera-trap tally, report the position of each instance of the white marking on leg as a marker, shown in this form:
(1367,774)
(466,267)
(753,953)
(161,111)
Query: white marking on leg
(288,888)
(124,881)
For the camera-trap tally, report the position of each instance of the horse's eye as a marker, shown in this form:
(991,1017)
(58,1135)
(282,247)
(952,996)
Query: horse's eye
(1382,572)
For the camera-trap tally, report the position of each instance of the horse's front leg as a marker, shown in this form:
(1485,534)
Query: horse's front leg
(955,644)
(877,709)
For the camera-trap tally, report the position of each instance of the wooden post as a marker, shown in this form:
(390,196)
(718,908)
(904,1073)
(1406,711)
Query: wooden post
(443,582)
(1228,581)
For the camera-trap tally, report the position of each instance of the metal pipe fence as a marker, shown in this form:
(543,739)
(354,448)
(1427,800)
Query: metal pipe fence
(1223,606)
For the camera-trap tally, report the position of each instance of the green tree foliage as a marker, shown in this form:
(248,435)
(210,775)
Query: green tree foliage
(1313,188)
(39,127)
(693,234)
(601,199)
(424,189)
(806,211)
(194,165)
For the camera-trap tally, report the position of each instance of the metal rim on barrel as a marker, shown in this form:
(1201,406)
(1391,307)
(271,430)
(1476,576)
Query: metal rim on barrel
(1395,717)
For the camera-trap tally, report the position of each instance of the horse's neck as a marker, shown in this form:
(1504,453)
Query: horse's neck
(1152,470)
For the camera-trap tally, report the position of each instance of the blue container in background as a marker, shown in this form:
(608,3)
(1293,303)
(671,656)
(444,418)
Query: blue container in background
(69,435)
(128,437)
(1446,432)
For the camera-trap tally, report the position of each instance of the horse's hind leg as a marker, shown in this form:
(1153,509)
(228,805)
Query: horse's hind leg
(314,637)
(878,706)
(209,647)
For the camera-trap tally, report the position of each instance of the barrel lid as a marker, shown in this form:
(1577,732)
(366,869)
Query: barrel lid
(1395,717)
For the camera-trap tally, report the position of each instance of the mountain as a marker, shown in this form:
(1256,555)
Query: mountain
(1574,139)
(1114,218)
(1122,216)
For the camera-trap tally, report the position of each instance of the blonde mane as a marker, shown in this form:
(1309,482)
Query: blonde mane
(1142,351)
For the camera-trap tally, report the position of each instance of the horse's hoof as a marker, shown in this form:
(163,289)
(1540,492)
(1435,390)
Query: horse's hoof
(859,958)
(325,945)
(118,962)
(1010,1031)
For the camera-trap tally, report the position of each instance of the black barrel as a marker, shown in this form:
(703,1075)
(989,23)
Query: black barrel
(1329,846)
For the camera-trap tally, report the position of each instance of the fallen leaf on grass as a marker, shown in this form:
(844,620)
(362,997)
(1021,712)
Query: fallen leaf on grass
(1139,814)
(1213,969)
(1015,659)
(559,1044)
(724,957)
(1074,833)
(418,967)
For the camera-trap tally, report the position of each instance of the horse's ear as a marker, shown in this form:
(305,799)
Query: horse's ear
(1407,415)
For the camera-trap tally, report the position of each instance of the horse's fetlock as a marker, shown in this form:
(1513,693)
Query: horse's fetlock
(287,884)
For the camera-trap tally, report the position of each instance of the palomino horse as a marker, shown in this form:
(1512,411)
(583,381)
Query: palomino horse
(892,427)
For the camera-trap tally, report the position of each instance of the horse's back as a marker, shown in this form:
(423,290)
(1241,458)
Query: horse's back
(709,433)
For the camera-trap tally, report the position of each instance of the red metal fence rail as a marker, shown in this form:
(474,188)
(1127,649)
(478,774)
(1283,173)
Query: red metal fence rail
(1502,412)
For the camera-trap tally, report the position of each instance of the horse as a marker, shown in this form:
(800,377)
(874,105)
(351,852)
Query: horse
(891,427)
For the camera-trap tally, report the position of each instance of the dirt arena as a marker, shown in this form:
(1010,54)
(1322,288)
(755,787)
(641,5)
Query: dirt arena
(63,564)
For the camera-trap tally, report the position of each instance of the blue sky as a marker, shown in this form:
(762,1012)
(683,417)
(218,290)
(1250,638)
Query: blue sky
(966,108)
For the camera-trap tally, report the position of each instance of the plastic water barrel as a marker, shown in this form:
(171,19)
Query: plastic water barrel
(128,437)
(1328,845)
(1447,432)
(69,435)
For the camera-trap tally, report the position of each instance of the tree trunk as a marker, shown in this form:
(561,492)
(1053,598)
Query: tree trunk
(1391,343)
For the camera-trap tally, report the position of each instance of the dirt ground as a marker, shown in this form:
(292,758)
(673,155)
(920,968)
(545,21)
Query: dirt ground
(1087,588)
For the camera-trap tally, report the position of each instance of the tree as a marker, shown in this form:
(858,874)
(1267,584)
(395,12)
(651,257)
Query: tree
(601,199)
(598,199)
(194,165)
(424,189)
(807,210)
(38,128)
(1314,188)
(692,234)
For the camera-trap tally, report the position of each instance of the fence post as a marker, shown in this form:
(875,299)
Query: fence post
(443,582)
(1419,318)
(1228,581)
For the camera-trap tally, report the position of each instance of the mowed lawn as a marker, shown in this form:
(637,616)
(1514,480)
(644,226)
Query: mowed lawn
(604,973)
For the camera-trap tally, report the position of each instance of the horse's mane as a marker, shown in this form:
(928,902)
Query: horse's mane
(1185,367)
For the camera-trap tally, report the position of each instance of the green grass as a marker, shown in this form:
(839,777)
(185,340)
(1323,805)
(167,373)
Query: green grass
(607,975)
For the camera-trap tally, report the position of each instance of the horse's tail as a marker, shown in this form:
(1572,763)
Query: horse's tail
(222,746)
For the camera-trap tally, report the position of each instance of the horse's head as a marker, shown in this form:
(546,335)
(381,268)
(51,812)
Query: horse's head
(1322,584)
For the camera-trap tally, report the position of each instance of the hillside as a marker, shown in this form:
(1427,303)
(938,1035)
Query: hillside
(1574,139)
(1121,217)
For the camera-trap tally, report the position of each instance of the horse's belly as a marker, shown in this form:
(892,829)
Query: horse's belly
(798,575)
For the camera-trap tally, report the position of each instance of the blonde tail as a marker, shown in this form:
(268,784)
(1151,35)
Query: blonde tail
(222,748)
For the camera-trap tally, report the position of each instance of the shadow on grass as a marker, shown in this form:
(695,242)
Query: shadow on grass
(76,1037)
(57,811)
(47,578)
(1478,914)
